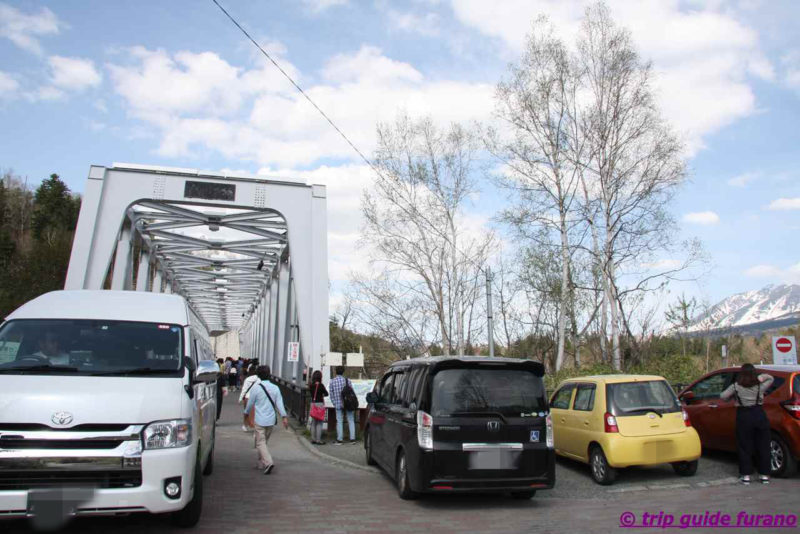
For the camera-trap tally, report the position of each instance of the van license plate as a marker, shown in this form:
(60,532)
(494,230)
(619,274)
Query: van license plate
(51,508)
(497,459)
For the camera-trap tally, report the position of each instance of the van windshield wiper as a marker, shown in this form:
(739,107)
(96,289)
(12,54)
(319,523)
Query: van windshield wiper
(136,371)
(40,367)
(480,414)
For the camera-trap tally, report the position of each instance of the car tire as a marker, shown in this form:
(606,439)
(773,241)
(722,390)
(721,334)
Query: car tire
(523,495)
(782,463)
(209,468)
(401,475)
(368,448)
(685,469)
(602,472)
(190,515)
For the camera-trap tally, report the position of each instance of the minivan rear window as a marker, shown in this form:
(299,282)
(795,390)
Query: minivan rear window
(474,390)
(638,398)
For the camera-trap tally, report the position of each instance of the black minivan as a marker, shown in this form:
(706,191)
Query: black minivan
(458,424)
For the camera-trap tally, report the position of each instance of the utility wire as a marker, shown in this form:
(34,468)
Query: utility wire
(354,147)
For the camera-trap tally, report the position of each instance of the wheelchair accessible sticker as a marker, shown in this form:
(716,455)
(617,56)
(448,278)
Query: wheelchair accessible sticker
(535,435)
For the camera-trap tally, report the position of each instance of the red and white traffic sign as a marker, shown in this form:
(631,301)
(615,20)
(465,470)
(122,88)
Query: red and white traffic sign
(784,350)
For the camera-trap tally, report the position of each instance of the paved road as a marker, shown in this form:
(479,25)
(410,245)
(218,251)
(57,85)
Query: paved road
(309,494)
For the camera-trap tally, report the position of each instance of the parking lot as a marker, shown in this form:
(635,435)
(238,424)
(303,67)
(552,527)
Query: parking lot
(309,492)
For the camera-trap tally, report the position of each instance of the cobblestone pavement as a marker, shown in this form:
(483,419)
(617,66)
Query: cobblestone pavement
(308,493)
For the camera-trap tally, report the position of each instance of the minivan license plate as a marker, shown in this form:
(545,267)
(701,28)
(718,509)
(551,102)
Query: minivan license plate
(494,459)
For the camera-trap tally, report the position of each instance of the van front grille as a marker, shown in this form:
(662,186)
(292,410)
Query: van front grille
(25,480)
(10,444)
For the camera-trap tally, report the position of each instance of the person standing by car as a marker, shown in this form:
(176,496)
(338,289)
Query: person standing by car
(338,385)
(318,394)
(266,400)
(752,425)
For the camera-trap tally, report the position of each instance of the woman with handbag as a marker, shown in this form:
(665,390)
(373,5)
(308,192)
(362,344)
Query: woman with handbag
(317,411)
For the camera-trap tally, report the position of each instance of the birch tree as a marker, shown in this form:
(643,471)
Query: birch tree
(416,230)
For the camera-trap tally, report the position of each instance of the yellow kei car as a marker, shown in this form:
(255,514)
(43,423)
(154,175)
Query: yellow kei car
(614,421)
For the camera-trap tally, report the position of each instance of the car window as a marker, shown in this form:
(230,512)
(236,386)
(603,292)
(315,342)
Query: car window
(386,392)
(399,382)
(638,398)
(410,394)
(562,397)
(584,398)
(713,386)
(469,391)
(777,382)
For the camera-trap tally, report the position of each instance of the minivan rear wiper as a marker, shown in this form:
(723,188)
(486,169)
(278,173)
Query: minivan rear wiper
(41,367)
(135,371)
(480,414)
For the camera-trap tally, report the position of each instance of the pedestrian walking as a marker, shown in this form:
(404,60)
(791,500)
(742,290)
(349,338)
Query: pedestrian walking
(244,396)
(317,411)
(240,368)
(752,425)
(266,400)
(220,386)
(232,377)
(340,387)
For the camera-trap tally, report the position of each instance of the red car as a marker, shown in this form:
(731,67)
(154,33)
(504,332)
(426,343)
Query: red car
(715,419)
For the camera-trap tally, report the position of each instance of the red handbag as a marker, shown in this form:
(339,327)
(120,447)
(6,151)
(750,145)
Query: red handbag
(317,410)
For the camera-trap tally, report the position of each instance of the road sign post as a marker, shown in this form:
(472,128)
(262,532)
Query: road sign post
(784,350)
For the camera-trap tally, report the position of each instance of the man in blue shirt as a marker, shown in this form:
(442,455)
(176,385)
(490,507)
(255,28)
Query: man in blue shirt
(266,400)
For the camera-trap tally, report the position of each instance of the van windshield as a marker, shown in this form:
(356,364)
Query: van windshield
(639,398)
(491,391)
(90,347)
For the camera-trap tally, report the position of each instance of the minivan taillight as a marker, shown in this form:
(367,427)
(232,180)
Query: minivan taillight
(793,405)
(686,420)
(424,430)
(549,431)
(610,423)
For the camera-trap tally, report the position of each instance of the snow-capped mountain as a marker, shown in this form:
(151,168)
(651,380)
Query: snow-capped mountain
(766,305)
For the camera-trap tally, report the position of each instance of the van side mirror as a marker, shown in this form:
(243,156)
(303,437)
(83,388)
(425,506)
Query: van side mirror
(207,371)
(372,397)
(687,397)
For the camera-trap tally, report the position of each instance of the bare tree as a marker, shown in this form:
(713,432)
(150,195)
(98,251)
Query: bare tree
(636,161)
(536,105)
(416,231)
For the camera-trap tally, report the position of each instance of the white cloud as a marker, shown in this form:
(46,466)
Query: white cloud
(318,6)
(743,179)
(662,265)
(199,101)
(23,29)
(424,24)
(791,69)
(8,85)
(784,204)
(73,73)
(702,57)
(701,217)
(789,274)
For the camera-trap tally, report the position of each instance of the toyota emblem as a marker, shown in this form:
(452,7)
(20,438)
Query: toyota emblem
(61,418)
(493,426)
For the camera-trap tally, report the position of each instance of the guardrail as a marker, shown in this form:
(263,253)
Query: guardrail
(295,398)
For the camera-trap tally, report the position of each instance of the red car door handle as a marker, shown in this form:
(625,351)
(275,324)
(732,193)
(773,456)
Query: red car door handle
(713,406)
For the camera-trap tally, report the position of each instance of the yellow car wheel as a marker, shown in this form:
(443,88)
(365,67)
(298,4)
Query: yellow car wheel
(602,473)
(685,469)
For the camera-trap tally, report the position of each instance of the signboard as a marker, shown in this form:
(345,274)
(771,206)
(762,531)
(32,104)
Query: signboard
(784,350)
(361,388)
(355,360)
(332,359)
(294,351)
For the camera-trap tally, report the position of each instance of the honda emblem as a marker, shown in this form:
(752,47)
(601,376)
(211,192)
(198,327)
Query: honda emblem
(493,426)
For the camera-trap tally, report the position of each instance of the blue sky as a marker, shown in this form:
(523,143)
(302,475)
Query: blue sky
(174,83)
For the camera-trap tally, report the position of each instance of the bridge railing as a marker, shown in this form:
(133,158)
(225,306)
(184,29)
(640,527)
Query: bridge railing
(295,398)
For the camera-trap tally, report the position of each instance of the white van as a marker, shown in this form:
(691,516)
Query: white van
(112,392)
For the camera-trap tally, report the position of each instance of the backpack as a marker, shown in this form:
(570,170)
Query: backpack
(349,399)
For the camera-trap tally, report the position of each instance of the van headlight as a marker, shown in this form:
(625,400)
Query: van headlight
(167,434)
